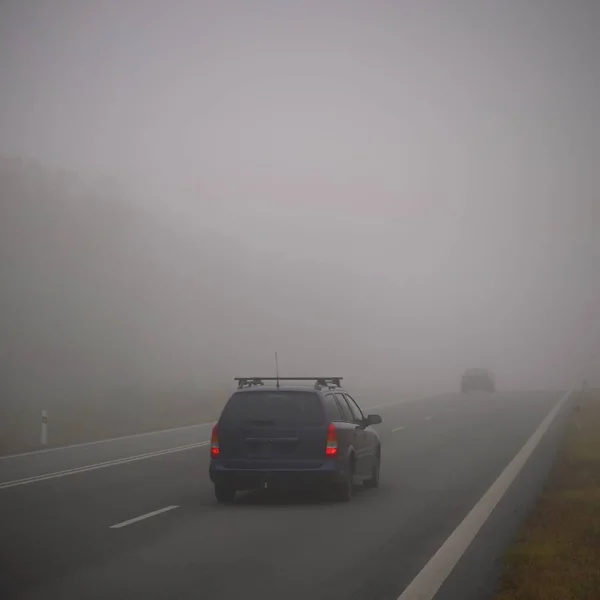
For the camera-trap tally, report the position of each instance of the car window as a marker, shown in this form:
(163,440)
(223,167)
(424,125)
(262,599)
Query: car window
(278,406)
(356,412)
(332,409)
(345,408)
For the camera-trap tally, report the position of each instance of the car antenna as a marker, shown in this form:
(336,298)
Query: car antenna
(277,369)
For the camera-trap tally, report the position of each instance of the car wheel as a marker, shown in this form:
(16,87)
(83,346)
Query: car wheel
(225,494)
(373,481)
(345,490)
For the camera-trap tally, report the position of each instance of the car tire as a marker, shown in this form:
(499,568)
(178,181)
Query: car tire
(225,494)
(373,481)
(344,491)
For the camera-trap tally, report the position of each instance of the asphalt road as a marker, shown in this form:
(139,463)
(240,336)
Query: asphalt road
(59,509)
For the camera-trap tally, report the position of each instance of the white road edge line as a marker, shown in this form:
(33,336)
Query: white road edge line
(142,517)
(114,439)
(102,465)
(399,428)
(431,577)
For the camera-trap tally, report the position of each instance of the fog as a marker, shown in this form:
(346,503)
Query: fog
(388,191)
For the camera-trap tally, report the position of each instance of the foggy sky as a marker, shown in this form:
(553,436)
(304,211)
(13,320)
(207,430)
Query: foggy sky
(419,180)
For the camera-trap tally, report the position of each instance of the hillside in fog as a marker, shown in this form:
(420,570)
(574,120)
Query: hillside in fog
(101,295)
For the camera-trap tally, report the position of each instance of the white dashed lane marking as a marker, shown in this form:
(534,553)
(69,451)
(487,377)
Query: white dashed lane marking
(142,517)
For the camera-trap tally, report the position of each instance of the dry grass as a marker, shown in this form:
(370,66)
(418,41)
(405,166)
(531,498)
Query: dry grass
(557,556)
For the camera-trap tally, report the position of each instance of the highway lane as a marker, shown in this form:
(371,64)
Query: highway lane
(80,456)
(57,509)
(445,453)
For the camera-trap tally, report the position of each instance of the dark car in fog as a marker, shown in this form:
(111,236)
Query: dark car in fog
(477,379)
(293,437)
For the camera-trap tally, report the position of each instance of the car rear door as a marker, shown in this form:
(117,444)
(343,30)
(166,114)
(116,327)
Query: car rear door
(338,413)
(357,432)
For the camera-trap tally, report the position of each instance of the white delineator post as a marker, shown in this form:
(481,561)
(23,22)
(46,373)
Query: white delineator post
(44,434)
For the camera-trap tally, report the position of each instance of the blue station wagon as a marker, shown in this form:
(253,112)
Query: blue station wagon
(293,437)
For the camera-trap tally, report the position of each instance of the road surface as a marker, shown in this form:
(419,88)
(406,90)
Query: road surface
(136,517)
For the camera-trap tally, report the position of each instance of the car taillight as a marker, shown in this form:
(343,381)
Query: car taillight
(332,441)
(214,443)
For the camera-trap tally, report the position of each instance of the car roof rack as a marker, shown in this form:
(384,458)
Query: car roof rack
(248,381)
(320,382)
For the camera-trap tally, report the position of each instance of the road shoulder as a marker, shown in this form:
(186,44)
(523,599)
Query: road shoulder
(478,572)
(557,554)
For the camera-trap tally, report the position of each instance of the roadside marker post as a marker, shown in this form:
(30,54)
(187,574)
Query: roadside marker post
(44,433)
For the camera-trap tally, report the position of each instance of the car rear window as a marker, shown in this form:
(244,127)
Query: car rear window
(277,406)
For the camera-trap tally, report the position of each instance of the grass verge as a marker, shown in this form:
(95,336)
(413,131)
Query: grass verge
(557,554)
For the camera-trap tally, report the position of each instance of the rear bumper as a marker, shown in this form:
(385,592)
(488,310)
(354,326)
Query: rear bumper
(254,477)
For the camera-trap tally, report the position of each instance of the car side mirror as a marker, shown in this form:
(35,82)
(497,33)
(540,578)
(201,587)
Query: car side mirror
(372,420)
